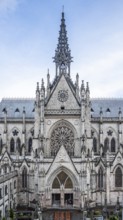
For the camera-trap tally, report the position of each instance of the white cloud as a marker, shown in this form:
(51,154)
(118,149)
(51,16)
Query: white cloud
(105,64)
(6,5)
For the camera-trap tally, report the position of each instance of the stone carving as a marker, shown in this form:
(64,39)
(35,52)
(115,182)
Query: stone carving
(15,132)
(109,132)
(62,95)
(62,135)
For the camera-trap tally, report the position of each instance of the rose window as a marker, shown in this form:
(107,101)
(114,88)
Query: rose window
(62,135)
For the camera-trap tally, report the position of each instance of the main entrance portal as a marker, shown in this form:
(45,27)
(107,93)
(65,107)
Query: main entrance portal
(62,190)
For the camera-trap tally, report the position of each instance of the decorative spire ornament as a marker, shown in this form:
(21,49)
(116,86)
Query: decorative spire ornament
(62,56)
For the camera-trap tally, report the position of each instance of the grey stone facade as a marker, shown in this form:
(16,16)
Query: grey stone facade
(63,148)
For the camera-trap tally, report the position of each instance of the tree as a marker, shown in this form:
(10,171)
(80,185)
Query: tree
(113,217)
(11,214)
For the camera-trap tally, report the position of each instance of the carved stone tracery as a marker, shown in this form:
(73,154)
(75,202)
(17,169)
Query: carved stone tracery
(62,135)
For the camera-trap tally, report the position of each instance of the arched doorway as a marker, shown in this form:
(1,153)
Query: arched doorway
(62,190)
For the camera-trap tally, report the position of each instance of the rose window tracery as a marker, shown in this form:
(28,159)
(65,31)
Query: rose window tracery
(62,135)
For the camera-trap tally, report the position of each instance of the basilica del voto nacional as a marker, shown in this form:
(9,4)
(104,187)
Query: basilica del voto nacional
(62,150)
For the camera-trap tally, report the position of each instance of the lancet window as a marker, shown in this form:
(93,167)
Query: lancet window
(1,145)
(100,178)
(24,178)
(95,144)
(113,145)
(12,145)
(106,145)
(18,145)
(29,145)
(118,177)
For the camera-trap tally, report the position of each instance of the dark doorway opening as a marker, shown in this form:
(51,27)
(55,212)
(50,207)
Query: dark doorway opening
(68,198)
(56,199)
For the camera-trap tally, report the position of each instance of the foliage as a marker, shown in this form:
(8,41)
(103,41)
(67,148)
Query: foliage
(97,212)
(113,217)
(3,218)
(11,214)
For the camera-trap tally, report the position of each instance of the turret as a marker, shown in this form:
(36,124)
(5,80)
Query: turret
(87,93)
(77,86)
(5,129)
(88,111)
(48,83)
(101,126)
(42,108)
(24,126)
(37,95)
(120,126)
(37,112)
(82,91)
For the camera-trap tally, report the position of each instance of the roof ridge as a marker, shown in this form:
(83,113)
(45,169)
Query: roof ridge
(107,98)
(14,98)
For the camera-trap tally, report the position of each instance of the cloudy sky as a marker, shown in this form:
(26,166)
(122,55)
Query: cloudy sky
(29,35)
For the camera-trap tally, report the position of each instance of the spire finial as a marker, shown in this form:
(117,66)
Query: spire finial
(62,8)
(62,56)
(87,87)
(37,86)
(82,85)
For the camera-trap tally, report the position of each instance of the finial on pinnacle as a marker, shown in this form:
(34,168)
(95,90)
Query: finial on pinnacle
(63,8)
(82,85)
(37,86)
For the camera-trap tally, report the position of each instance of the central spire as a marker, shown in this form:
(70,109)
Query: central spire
(62,56)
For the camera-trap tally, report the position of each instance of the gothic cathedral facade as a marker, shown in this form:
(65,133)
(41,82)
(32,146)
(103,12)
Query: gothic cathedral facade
(62,149)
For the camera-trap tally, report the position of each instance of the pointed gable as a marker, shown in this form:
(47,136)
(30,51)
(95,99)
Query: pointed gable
(62,159)
(63,96)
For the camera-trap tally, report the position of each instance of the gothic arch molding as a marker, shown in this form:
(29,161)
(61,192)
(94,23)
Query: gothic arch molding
(65,170)
(62,133)
(116,166)
(67,123)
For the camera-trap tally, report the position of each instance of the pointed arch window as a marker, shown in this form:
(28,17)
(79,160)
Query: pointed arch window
(62,179)
(56,184)
(113,145)
(100,178)
(12,145)
(95,144)
(118,177)
(18,145)
(6,190)
(24,178)
(1,145)
(29,145)
(106,145)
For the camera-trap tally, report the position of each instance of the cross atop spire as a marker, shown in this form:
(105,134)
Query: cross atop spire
(62,56)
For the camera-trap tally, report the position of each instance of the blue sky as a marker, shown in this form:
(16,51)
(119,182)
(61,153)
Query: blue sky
(29,32)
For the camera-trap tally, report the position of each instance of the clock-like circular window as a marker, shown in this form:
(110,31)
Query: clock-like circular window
(62,95)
